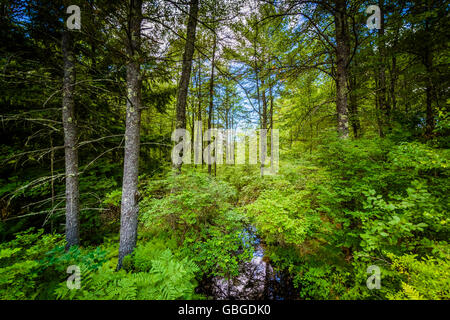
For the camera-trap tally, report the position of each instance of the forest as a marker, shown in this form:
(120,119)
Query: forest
(224,150)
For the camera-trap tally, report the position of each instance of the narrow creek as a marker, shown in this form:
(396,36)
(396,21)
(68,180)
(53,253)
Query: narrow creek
(257,279)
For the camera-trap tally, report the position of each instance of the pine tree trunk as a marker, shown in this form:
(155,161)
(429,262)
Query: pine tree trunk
(392,85)
(199,95)
(70,140)
(129,205)
(353,106)
(428,62)
(183,85)
(342,58)
(429,120)
(381,92)
(271,103)
(211,95)
(271,123)
(264,127)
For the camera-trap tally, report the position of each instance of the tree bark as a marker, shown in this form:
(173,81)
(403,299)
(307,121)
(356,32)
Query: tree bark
(353,105)
(264,127)
(392,85)
(271,102)
(70,140)
(381,92)
(429,92)
(129,205)
(183,85)
(199,95)
(271,122)
(211,94)
(429,120)
(342,59)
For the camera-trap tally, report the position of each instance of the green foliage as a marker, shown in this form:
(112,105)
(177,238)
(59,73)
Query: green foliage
(338,205)
(323,220)
(149,274)
(220,249)
(113,198)
(192,200)
(423,278)
(197,210)
(282,216)
(20,270)
(320,282)
(351,205)
(383,199)
(32,264)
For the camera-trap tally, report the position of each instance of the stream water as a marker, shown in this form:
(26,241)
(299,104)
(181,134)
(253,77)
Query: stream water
(257,279)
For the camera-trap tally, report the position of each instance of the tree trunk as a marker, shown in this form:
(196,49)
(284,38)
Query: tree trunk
(192,128)
(271,103)
(264,127)
(394,76)
(129,205)
(211,95)
(199,94)
(257,72)
(429,95)
(381,91)
(183,85)
(428,62)
(378,110)
(342,58)
(271,122)
(353,106)
(70,140)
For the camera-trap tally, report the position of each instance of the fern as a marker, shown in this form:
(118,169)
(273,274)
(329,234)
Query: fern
(157,276)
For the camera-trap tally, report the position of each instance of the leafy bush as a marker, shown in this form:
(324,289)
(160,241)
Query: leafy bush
(197,210)
(190,201)
(282,216)
(220,249)
(33,264)
(355,204)
(423,278)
